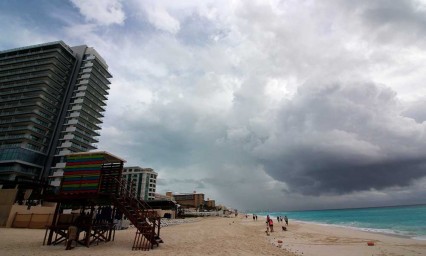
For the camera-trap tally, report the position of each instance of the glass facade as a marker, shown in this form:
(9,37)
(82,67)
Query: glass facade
(21,154)
(32,85)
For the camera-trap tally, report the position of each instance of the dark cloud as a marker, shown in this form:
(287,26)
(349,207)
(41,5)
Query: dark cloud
(327,175)
(416,111)
(340,138)
(198,184)
(390,21)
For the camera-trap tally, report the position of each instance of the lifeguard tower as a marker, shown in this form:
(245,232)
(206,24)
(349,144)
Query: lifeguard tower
(92,186)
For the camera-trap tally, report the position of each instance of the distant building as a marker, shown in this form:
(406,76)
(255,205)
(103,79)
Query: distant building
(210,203)
(170,195)
(52,97)
(158,196)
(191,200)
(144,180)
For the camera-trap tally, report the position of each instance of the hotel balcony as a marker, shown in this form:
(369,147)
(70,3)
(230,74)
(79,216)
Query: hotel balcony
(77,101)
(58,173)
(56,182)
(76,107)
(74,114)
(71,129)
(68,137)
(59,166)
(65,145)
(82,88)
(64,152)
(72,121)
(79,94)
(83,81)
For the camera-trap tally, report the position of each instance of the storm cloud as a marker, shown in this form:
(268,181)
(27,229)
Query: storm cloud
(343,138)
(258,104)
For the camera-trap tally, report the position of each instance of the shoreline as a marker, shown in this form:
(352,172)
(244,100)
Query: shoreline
(388,232)
(226,236)
(311,239)
(369,230)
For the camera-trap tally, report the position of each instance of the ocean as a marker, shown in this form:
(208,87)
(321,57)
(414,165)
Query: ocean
(406,221)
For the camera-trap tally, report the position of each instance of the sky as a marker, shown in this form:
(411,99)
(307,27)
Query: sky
(260,105)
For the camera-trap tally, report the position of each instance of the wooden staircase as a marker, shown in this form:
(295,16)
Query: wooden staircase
(140,214)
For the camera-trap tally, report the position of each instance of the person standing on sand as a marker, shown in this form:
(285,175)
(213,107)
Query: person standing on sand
(267,222)
(267,225)
(271,225)
(286,220)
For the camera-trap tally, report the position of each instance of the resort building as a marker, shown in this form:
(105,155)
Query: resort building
(158,196)
(143,180)
(52,97)
(210,204)
(190,200)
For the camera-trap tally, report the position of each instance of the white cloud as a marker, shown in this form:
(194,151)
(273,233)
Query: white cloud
(102,12)
(161,19)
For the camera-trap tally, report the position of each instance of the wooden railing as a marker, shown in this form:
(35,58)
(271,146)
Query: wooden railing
(140,214)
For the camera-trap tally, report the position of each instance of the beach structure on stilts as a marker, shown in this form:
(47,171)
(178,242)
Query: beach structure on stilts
(92,185)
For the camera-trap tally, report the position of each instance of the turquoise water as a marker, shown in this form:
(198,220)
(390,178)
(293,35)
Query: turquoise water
(407,221)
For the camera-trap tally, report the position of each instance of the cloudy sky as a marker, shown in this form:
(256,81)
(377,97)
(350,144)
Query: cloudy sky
(261,105)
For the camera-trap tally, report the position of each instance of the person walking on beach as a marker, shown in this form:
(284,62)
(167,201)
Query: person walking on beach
(271,225)
(254,217)
(286,220)
(267,224)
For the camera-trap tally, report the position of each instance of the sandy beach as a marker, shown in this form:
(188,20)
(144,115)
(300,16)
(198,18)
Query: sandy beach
(226,236)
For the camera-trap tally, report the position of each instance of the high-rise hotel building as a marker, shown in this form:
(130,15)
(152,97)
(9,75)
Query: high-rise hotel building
(52,97)
(143,180)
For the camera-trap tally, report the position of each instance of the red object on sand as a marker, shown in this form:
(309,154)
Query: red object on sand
(370,243)
(280,241)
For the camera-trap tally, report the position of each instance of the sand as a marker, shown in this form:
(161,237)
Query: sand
(226,236)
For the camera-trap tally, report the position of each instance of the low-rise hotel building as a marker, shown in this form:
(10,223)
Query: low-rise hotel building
(189,200)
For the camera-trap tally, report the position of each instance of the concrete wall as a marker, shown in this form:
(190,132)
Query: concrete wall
(32,220)
(4,214)
(9,210)
(23,214)
(162,212)
(7,199)
(7,196)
